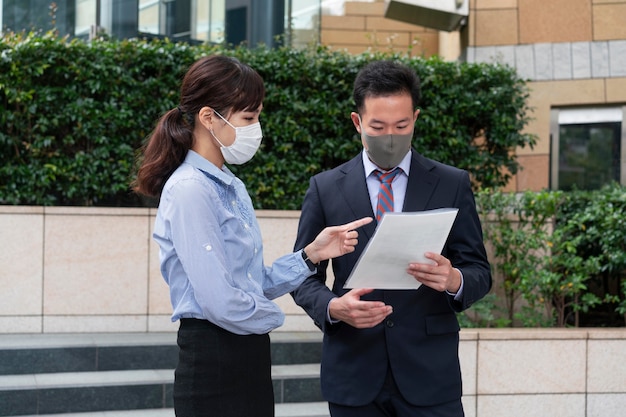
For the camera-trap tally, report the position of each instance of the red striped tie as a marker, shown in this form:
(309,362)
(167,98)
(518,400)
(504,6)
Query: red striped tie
(385,192)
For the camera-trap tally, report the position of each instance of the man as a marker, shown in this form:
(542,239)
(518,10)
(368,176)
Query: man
(392,352)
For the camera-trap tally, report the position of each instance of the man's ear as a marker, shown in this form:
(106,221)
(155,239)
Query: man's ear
(416,114)
(355,120)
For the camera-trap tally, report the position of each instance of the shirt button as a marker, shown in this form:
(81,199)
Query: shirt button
(389,323)
(249,275)
(234,203)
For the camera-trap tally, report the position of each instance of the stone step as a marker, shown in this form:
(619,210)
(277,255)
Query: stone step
(53,353)
(315,409)
(128,390)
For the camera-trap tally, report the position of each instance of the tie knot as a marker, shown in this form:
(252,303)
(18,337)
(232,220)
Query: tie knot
(386,177)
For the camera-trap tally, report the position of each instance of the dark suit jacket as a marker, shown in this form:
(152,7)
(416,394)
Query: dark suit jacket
(419,340)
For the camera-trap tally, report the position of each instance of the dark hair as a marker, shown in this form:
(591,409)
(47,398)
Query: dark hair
(385,78)
(220,82)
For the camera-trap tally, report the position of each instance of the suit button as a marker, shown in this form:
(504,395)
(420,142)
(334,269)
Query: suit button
(389,323)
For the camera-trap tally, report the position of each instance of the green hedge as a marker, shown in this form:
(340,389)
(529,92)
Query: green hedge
(74,114)
(559,257)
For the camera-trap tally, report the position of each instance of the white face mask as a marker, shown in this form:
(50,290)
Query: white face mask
(246,143)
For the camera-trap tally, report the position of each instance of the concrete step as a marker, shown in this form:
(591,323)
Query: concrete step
(106,372)
(52,353)
(315,409)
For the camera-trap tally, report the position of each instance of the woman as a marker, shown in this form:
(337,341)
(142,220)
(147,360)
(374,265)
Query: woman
(210,243)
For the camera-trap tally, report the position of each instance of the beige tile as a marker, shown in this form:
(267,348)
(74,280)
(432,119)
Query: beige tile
(608,21)
(343,22)
(364,8)
(95,324)
(360,37)
(543,21)
(606,405)
(535,172)
(564,405)
(607,366)
(375,23)
(162,323)
(496,4)
(467,357)
(616,90)
(95,264)
(424,44)
(532,334)
(21,269)
(616,333)
(496,27)
(20,324)
(531,367)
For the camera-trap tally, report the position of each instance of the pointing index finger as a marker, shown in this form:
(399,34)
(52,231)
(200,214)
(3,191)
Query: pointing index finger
(357,223)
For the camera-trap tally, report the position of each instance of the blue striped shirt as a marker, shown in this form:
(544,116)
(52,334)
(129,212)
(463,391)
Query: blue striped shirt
(211,252)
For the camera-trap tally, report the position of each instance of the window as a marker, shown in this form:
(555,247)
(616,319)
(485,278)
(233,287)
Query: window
(588,147)
(199,20)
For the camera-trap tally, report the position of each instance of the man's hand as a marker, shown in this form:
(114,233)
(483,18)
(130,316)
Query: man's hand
(440,276)
(360,314)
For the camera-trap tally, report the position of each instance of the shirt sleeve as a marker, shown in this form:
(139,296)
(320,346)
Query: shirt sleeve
(191,209)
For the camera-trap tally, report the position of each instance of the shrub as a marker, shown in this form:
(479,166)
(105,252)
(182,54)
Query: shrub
(74,115)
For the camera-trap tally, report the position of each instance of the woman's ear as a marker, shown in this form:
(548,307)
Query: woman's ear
(205,118)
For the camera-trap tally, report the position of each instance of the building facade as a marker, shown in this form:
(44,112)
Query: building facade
(572,52)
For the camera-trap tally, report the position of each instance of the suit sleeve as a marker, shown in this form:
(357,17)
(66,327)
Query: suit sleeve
(313,295)
(466,250)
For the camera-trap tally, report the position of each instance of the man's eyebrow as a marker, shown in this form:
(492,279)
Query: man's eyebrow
(405,120)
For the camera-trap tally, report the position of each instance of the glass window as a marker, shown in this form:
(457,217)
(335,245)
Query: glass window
(86,17)
(587,147)
(207,20)
(149,16)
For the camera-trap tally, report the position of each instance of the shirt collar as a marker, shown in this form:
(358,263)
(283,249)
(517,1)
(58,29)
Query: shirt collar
(404,165)
(195,160)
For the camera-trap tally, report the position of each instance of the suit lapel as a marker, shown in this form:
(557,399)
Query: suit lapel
(421,185)
(353,189)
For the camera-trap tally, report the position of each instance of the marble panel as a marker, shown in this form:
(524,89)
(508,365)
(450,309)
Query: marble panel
(553,405)
(607,366)
(21,324)
(531,367)
(21,268)
(581,60)
(562,60)
(467,357)
(599,59)
(94,324)
(606,405)
(95,263)
(617,58)
(543,61)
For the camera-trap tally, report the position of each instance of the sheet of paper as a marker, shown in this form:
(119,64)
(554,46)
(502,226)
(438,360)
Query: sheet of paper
(399,239)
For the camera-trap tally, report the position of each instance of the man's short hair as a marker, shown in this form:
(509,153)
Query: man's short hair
(385,78)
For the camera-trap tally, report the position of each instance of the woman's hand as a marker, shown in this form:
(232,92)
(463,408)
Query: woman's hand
(335,241)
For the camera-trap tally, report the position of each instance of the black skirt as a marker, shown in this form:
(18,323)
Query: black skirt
(222,374)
